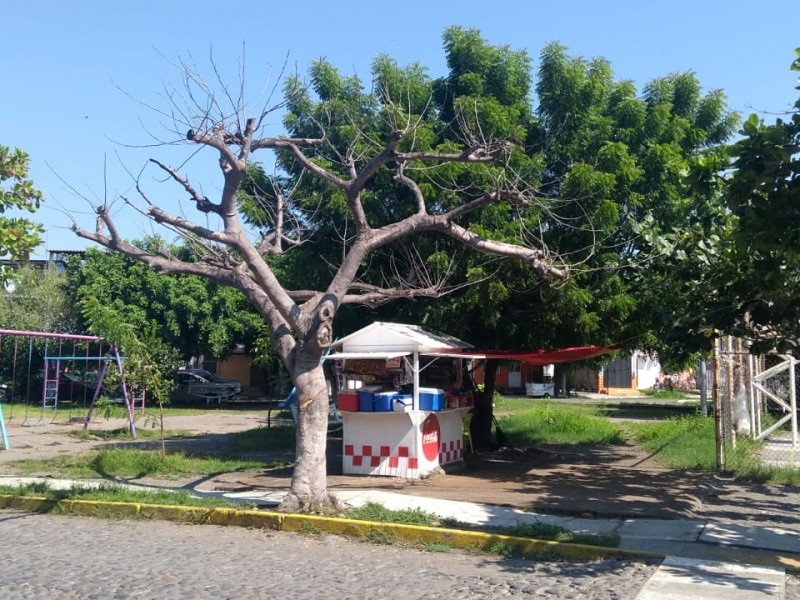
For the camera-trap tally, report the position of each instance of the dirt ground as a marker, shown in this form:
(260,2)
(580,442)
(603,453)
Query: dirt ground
(591,481)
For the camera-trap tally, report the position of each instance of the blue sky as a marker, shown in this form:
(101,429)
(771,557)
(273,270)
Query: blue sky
(76,73)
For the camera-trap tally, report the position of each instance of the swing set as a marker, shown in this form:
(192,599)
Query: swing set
(60,384)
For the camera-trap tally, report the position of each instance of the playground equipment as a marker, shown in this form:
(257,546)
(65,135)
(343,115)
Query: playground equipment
(3,433)
(54,374)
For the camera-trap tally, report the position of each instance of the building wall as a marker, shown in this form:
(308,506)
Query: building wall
(648,371)
(236,367)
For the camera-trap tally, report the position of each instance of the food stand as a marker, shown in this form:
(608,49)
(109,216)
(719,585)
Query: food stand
(403,394)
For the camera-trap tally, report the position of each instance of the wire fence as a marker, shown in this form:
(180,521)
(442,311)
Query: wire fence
(758,401)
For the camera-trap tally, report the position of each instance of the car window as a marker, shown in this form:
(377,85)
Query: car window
(204,374)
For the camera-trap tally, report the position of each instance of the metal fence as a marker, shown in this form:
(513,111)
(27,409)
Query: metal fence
(757,399)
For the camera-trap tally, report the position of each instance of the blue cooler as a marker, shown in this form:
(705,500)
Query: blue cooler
(383,402)
(431,399)
(366,398)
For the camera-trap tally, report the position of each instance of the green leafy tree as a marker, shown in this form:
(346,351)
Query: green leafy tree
(629,178)
(149,364)
(38,300)
(759,272)
(18,236)
(623,179)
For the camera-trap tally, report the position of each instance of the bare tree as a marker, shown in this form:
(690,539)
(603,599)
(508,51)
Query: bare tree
(233,255)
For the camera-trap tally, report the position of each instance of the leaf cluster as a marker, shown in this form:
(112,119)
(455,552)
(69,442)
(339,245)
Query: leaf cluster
(18,235)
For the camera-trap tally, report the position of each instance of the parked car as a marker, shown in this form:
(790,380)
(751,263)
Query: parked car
(199,385)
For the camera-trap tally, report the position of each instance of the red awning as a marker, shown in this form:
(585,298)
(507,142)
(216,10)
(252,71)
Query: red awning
(548,357)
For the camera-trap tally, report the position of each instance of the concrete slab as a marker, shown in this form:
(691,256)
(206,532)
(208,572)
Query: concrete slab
(68,484)
(466,512)
(734,534)
(475,514)
(661,529)
(682,578)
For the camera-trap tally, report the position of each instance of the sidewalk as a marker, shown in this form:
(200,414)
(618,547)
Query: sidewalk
(680,537)
(703,559)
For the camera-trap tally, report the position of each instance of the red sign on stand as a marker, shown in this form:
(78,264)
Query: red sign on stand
(431,434)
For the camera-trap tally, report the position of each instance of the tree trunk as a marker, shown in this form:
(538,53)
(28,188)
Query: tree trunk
(309,491)
(481,428)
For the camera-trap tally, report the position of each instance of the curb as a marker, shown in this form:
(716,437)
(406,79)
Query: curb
(257,519)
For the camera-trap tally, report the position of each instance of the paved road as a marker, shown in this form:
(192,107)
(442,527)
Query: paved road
(65,557)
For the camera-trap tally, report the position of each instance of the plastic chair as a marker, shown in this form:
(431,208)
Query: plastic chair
(467,432)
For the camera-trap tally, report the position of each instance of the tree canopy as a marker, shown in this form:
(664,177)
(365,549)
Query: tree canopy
(619,172)
(18,235)
(759,282)
(41,301)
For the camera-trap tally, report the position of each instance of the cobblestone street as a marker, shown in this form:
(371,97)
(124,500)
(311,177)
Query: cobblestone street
(49,556)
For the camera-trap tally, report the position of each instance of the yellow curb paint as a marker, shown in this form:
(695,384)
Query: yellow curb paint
(349,527)
(246,518)
(92,508)
(182,514)
(34,504)
(465,540)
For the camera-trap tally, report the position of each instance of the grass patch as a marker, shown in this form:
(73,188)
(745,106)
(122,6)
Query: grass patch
(554,423)
(373,511)
(503,549)
(113,493)
(309,529)
(264,439)
(122,463)
(435,547)
(668,395)
(543,531)
(679,443)
(123,433)
(381,537)
(745,461)
(644,412)
(689,443)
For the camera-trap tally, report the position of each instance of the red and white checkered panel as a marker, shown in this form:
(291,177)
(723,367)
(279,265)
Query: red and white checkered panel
(451,451)
(380,460)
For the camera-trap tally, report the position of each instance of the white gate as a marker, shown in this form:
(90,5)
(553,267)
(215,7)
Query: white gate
(788,403)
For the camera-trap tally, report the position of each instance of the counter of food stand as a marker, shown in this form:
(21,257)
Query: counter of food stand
(403,400)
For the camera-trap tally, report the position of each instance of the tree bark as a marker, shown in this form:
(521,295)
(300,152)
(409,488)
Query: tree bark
(481,427)
(308,491)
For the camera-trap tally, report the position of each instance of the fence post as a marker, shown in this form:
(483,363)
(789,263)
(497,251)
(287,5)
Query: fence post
(793,400)
(715,397)
(702,380)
